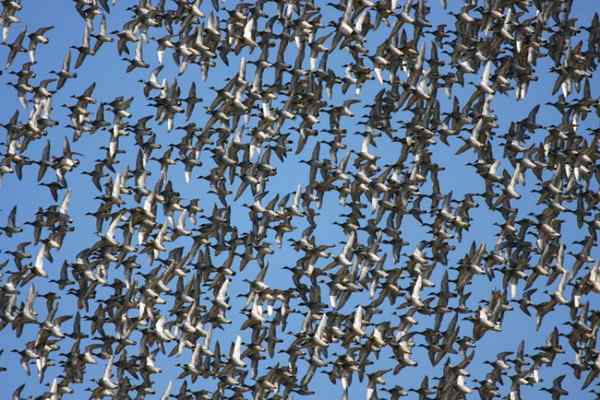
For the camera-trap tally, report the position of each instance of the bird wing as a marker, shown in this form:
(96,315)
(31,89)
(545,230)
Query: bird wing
(167,393)
(108,369)
(237,349)
(64,206)
(39,260)
(365,144)
(417,287)
(485,77)
(248,29)
(349,244)
(297,196)
(222,293)
(12,217)
(358,317)
(110,232)
(116,187)
(321,327)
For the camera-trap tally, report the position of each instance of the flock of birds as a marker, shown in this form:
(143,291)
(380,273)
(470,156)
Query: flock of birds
(159,286)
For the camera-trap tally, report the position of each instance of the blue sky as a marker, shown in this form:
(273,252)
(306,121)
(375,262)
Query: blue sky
(108,71)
